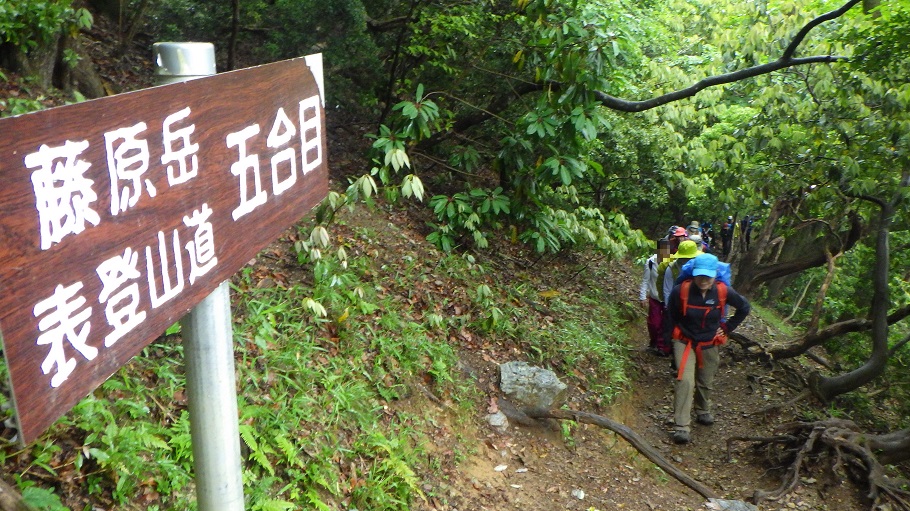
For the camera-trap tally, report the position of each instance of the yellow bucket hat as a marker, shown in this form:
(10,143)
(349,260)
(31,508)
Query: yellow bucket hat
(687,250)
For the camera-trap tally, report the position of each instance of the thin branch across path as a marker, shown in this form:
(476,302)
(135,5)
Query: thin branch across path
(786,60)
(630,436)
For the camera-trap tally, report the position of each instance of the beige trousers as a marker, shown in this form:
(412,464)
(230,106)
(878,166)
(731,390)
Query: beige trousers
(696,384)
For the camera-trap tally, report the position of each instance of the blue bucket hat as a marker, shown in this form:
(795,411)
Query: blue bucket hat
(705,266)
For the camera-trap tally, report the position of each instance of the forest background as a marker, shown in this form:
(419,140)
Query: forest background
(569,129)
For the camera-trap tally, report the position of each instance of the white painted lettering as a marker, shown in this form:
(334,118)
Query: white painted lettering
(202,248)
(247,165)
(310,134)
(66,322)
(282,132)
(62,192)
(127,161)
(122,302)
(187,161)
(169,288)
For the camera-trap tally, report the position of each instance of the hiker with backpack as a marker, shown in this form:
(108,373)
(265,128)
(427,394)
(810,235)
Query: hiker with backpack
(667,271)
(726,237)
(670,268)
(650,298)
(676,236)
(693,317)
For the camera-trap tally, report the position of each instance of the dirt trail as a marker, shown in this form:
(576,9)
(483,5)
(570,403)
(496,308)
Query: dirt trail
(587,468)
(542,469)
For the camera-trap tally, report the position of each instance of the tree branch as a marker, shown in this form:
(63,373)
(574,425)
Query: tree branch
(837,13)
(499,103)
(759,273)
(623,105)
(835,330)
(630,436)
(823,291)
(903,342)
(387,25)
(786,60)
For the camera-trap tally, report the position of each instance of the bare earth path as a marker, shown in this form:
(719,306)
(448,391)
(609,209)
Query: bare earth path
(587,468)
(542,469)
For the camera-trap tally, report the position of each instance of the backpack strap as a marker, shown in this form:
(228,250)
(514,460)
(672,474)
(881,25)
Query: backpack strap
(722,296)
(684,294)
(677,333)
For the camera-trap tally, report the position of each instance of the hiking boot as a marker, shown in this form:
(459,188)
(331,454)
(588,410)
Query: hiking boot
(705,419)
(658,352)
(680,437)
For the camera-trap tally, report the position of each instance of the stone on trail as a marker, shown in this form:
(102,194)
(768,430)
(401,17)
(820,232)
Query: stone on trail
(729,505)
(533,386)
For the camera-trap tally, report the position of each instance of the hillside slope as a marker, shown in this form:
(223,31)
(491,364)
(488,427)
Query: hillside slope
(532,467)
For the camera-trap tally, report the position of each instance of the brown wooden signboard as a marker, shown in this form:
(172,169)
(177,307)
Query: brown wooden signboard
(120,214)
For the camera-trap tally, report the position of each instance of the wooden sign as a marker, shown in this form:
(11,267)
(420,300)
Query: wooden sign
(120,214)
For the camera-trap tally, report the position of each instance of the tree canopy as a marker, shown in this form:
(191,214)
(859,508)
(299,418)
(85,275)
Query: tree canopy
(566,123)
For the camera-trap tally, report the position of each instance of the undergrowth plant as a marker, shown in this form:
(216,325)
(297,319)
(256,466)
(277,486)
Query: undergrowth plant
(329,370)
(318,393)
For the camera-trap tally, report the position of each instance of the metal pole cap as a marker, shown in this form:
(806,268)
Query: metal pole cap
(178,62)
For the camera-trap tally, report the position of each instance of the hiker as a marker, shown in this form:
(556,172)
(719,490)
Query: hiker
(700,243)
(670,268)
(694,229)
(651,300)
(726,237)
(676,236)
(743,240)
(667,271)
(738,234)
(747,232)
(693,316)
(708,232)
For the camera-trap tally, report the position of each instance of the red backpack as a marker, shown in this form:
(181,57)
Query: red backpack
(718,339)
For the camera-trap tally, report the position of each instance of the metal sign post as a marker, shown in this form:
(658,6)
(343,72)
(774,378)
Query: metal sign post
(121,215)
(208,342)
(212,395)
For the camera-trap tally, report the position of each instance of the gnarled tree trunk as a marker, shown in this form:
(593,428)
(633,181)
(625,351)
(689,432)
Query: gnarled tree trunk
(44,64)
(38,63)
(754,269)
(826,388)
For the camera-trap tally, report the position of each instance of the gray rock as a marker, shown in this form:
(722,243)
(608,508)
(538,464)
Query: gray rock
(532,386)
(730,505)
(499,421)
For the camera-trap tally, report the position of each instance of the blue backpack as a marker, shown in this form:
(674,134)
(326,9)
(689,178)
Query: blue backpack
(723,272)
(723,275)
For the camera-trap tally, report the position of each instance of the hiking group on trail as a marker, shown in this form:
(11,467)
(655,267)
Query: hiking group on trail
(685,319)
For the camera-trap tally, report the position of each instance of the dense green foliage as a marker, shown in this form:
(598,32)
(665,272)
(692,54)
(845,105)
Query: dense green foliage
(331,374)
(493,114)
(26,24)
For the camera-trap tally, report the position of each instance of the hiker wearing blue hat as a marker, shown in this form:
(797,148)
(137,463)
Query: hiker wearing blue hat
(695,308)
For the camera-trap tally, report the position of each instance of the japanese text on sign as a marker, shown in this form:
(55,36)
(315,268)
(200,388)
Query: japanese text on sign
(126,211)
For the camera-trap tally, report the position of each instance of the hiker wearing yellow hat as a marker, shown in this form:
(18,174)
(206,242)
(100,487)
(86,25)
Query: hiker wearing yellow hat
(667,272)
(687,250)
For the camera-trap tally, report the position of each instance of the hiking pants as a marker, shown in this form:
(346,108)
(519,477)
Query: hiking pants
(656,325)
(696,384)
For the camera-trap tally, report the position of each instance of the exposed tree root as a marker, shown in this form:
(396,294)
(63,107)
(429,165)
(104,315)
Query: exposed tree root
(10,500)
(630,436)
(849,451)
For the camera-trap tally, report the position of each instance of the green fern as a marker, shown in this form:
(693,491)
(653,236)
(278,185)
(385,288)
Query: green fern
(289,450)
(258,452)
(274,505)
(317,502)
